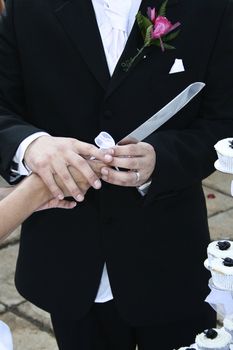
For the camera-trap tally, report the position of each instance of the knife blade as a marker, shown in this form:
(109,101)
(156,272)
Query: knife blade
(163,115)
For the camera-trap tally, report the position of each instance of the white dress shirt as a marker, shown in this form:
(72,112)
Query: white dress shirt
(115,20)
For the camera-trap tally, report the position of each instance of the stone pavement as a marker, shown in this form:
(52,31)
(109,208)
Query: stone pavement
(31,327)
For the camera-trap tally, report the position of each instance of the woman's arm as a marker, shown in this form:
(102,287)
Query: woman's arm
(20,203)
(1,6)
(30,195)
(5,191)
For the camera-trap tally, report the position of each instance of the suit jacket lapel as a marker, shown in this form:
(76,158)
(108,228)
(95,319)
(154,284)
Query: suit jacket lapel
(135,42)
(78,20)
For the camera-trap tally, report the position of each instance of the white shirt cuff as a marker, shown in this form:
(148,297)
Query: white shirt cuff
(22,168)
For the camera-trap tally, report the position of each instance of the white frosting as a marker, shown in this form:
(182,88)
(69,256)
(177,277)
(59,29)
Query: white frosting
(218,266)
(223,339)
(228,324)
(214,250)
(223,147)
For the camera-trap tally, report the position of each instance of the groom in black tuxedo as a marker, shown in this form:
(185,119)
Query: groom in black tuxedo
(54,78)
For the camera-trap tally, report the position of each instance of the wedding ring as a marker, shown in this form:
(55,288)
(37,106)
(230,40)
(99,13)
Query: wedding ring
(137,176)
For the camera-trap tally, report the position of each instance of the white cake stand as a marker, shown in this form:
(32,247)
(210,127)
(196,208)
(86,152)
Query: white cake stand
(220,300)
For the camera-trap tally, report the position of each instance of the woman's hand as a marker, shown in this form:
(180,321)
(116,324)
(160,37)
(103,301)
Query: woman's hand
(56,203)
(35,181)
(82,183)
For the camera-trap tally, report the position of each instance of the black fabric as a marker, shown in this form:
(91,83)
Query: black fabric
(103,329)
(54,77)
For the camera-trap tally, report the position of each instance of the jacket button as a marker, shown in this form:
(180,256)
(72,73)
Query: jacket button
(108,115)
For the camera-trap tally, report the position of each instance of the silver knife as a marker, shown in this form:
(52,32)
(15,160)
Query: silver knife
(163,115)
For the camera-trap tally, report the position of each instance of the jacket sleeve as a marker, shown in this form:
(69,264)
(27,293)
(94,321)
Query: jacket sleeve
(186,157)
(13,109)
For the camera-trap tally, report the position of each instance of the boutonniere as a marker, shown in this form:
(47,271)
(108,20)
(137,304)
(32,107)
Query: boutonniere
(156,30)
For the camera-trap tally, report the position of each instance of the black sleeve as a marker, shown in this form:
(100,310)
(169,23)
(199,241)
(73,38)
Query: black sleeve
(13,110)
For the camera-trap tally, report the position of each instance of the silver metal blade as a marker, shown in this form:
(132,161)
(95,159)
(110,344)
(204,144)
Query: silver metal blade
(163,115)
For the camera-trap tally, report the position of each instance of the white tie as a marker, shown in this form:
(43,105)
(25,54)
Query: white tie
(116,30)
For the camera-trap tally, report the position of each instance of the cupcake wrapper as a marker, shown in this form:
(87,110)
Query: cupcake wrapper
(227,347)
(207,264)
(222,281)
(231,333)
(226,162)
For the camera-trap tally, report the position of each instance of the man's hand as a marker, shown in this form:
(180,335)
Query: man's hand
(138,159)
(81,182)
(79,178)
(48,156)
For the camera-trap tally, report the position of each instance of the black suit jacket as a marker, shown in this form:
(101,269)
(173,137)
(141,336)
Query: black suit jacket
(54,77)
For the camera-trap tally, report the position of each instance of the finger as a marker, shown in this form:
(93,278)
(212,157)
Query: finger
(82,165)
(56,203)
(131,150)
(96,166)
(79,179)
(48,179)
(66,204)
(88,150)
(128,162)
(68,182)
(120,178)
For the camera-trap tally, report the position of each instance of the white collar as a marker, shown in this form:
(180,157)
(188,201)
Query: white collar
(125,10)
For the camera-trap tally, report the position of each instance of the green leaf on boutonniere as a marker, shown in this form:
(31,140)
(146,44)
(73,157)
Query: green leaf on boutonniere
(143,23)
(155,43)
(162,10)
(171,36)
(147,39)
(168,47)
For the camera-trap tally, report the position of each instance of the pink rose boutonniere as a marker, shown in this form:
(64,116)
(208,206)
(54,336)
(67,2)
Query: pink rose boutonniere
(156,30)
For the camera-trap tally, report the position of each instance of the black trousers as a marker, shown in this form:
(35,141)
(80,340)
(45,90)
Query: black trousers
(103,329)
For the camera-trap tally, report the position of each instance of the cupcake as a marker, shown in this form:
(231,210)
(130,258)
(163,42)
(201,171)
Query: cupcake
(222,273)
(220,249)
(214,339)
(228,326)
(224,149)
